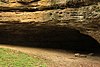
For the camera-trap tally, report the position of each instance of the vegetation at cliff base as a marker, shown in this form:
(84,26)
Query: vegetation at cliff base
(12,58)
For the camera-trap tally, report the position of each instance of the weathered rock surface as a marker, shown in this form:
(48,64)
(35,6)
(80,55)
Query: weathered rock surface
(33,5)
(80,15)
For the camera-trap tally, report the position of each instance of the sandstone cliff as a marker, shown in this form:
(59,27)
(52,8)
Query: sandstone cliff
(83,15)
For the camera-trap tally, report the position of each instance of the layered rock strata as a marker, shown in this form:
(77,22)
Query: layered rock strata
(83,15)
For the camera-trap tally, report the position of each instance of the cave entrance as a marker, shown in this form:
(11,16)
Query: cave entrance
(46,36)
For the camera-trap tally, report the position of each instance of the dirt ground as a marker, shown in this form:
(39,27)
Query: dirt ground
(58,57)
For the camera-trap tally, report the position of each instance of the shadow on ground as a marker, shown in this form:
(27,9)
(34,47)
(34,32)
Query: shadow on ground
(48,37)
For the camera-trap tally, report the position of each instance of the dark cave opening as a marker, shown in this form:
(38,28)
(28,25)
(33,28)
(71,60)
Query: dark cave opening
(55,37)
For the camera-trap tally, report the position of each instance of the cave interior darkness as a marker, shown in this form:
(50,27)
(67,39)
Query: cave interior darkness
(54,37)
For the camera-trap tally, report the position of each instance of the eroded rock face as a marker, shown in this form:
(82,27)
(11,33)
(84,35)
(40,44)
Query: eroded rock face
(83,15)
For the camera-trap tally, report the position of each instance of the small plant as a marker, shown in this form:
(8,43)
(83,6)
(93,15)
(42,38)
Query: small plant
(98,10)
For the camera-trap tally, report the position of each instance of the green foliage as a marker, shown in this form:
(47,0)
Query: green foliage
(98,10)
(11,58)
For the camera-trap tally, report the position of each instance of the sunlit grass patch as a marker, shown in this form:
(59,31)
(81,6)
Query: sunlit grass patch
(11,58)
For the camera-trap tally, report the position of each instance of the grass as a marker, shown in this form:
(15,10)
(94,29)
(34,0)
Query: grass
(11,58)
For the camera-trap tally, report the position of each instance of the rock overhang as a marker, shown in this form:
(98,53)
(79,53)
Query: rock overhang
(85,17)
